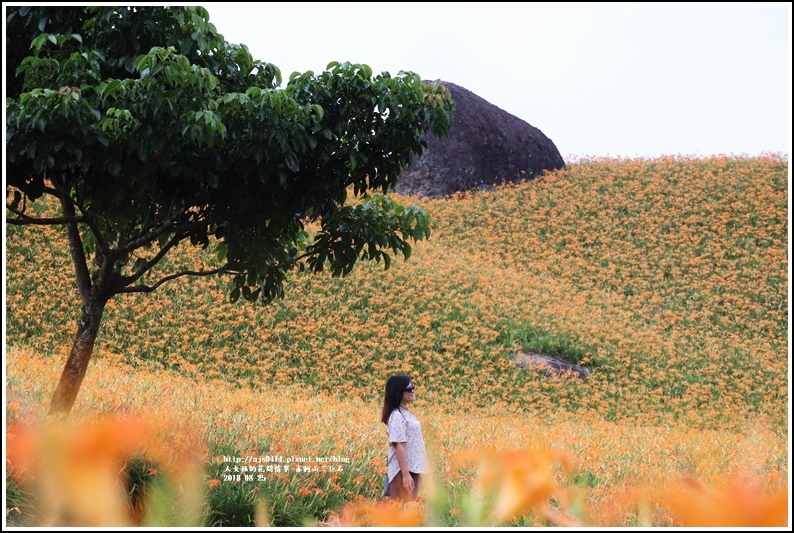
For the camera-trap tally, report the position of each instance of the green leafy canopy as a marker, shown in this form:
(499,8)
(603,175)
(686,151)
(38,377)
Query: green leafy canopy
(151,130)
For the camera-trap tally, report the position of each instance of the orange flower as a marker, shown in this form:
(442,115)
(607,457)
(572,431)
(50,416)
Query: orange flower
(739,504)
(212,483)
(21,449)
(522,481)
(387,513)
(79,466)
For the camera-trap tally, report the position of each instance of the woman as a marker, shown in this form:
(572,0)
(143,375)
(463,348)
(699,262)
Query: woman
(407,457)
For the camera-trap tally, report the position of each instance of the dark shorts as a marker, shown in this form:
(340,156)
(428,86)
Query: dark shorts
(397,491)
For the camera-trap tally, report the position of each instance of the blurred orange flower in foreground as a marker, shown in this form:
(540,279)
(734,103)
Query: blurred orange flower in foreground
(78,469)
(739,504)
(521,480)
(378,514)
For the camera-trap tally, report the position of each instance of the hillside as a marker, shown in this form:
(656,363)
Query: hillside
(667,278)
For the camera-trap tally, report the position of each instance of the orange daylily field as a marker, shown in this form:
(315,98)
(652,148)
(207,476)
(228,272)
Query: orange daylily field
(667,278)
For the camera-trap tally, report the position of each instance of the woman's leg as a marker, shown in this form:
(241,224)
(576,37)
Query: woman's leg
(396,487)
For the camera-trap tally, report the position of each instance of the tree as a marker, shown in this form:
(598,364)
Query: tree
(152,131)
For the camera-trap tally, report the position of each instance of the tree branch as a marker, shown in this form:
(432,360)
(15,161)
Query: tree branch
(148,238)
(146,226)
(82,274)
(151,288)
(127,280)
(305,255)
(90,220)
(24,219)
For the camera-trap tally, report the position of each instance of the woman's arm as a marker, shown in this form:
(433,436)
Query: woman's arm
(408,481)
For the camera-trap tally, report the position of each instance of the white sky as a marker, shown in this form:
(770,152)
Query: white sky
(598,79)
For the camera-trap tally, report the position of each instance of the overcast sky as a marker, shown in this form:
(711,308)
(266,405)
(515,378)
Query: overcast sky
(598,79)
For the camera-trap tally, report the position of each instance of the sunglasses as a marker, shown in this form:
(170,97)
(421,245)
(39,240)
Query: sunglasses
(410,389)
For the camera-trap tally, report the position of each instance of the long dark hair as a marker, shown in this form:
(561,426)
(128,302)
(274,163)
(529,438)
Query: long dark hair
(395,386)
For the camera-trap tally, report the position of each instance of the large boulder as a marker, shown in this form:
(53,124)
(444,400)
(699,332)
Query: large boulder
(486,146)
(551,366)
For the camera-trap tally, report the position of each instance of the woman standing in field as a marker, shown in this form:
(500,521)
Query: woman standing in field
(407,457)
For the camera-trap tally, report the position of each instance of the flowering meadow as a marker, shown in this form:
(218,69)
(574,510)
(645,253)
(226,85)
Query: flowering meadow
(667,278)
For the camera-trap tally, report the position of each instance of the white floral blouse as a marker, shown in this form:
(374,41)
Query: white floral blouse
(404,427)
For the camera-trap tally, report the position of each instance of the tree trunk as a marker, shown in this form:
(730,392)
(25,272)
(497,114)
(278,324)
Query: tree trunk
(77,363)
